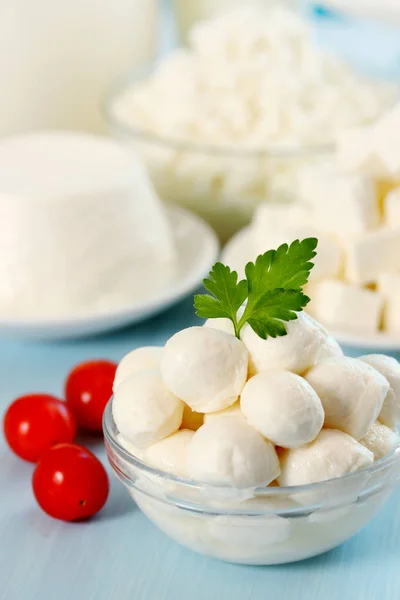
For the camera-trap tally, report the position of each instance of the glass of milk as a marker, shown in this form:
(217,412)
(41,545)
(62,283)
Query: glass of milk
(58,57)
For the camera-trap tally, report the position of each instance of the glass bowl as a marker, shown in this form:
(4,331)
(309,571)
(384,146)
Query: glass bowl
(263,526)
(222,184)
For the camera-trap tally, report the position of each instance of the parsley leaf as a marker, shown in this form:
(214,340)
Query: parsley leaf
(227,297)
(273,288)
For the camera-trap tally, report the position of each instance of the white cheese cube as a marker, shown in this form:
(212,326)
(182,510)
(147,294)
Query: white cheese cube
(272,224)
(341,202)
(342,306)
(392,208)
(329,261)
(371,254)
(355,151)
(389,287)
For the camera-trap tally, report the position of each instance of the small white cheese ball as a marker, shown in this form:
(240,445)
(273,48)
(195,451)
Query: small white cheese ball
(390,369)
(232,411)
(191,420)
(130,448)
(283,407)
(141,359)
(170,454)
(221,324)
(228,451)
(332,454)
(330,349)
(303,346)
(352,393)
(205,367)
(144,410)
(380,440)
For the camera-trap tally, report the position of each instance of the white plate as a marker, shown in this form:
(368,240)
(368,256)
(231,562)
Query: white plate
(197,248)
(238,252)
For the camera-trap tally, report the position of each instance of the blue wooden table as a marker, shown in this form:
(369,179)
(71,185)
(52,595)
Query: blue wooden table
(120,555)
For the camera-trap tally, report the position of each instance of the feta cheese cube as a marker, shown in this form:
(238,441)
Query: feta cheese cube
(329,261)
(389,288)
(355,151)
(270,218)
(341,202)
(343,306)
(371,254)
(330,252)
(392,208)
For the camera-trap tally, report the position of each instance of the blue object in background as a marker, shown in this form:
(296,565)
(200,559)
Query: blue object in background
(324,13)
(373,48)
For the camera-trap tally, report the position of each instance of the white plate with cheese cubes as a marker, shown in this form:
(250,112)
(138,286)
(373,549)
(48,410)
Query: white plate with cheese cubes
(352,205)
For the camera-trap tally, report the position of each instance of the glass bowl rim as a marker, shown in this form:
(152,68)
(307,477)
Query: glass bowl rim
(133,461)
(272,151)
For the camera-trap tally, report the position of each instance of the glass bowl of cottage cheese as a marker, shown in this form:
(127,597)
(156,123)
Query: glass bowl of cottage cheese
(255,451)
(231,121)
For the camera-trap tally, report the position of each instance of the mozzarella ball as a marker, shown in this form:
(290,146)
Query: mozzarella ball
(283,407)
(144,410)
(140,359)
(332,454)
(352,394)
(205,367)
(390,369)
(381,440)
(191,420)
(130,448)
(170,454)
(228,451)
(330,349)
(221,324)
(232,411)
(306,341)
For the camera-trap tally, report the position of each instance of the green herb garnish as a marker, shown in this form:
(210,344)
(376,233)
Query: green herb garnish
(273,289)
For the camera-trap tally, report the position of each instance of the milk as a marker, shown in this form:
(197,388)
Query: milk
(58,57)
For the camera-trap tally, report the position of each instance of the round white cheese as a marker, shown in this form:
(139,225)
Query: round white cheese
(390,369)
(352,393)
(380,440)
(144,410)
(205,367)
(304,345)
(332,454)
(232,411)
(141,359)
(283,407)
(228,451)
(222,324)
(170,454)
(129,447)
(81,228)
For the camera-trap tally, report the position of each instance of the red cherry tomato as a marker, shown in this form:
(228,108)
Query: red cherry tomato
(70,483)
(35,423)
(88,389)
